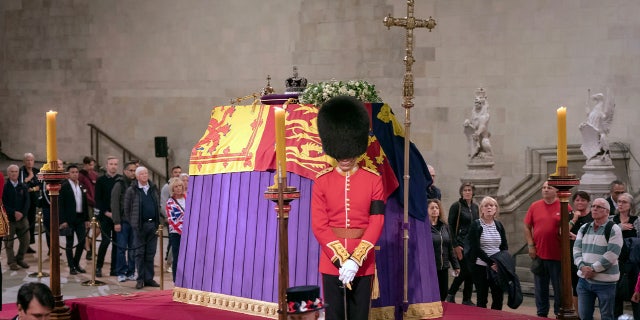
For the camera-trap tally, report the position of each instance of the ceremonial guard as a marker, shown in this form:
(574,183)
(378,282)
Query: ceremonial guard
(348,207)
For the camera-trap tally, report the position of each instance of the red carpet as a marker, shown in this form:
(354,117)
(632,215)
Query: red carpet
(159,305)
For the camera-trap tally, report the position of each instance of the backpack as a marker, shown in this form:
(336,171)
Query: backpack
(607,229)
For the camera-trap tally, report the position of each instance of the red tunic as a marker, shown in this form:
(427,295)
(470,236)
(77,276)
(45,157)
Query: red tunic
(341,201)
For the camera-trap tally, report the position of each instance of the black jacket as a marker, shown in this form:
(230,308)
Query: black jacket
(507,278)
(460,226)
(33,182)
(133,204)
(104,185)
(443,247)
(15,199)
(67,205)
(473,251)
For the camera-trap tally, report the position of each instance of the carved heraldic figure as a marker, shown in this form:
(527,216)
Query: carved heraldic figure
(596,128)
(477,128)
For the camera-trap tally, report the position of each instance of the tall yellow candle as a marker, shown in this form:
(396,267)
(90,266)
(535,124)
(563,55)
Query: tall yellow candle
(562,138)
(281,158)
(52,151)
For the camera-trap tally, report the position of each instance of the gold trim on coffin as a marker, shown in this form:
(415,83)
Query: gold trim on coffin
(226,302)
(427,310)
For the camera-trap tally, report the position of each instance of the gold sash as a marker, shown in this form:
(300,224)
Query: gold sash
(4,221)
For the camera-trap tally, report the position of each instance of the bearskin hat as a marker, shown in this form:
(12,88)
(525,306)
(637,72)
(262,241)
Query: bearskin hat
(343,125)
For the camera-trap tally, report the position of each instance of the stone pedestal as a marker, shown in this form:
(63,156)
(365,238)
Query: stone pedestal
(596,179)
(480,172)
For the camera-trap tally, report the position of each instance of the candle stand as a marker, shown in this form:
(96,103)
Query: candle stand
(282,196)
(564,182)
(39,274)
(93,282)
(54,178)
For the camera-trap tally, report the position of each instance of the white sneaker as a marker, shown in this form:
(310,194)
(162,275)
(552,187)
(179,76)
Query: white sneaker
(132,277)
(122,278)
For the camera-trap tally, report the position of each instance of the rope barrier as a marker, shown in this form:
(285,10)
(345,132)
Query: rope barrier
(115,244)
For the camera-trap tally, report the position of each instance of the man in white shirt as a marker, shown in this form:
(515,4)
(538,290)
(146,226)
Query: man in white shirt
(74,217)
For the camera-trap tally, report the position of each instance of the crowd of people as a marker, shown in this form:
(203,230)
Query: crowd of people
(470,243)
(128,207)
(471,246)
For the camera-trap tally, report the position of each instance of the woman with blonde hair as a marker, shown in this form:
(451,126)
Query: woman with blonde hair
(175,216)
(442,246)
(487,238)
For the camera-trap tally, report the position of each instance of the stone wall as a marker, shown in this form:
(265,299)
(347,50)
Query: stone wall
(139,69)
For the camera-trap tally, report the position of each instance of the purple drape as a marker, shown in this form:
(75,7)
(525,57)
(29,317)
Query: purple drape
(229,242)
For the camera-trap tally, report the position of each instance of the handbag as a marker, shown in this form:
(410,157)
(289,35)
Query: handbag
(4,221)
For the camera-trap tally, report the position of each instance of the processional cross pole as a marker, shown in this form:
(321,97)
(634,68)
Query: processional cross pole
(409,23)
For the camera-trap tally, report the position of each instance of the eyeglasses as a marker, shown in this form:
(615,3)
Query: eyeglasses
(595,206)
(623,201)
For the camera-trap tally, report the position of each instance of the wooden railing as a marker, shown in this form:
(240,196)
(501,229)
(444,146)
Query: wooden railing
(98,136)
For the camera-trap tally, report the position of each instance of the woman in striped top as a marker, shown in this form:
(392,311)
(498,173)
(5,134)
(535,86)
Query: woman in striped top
(486,238)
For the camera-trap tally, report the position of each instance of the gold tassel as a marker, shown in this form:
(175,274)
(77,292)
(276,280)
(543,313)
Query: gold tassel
(375,287)
(254,104)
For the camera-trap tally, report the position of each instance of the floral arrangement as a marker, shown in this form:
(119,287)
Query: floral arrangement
(318,93)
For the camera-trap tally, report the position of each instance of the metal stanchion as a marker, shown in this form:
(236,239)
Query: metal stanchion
(160,236)
(39,274)
(93,282)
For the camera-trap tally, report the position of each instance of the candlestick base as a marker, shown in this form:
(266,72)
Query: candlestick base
(93,283)
(564,182)
(38,275)
(282,197)
(60,311)
(53,177)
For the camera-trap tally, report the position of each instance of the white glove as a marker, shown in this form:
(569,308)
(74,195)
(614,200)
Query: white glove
(348,271)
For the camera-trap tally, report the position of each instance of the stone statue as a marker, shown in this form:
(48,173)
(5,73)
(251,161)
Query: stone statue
(477,128)
(595,130)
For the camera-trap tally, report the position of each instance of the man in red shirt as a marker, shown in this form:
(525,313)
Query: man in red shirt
(541,230)
(347,210)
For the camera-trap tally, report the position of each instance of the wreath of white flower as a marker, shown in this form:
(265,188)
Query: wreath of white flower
(318,93)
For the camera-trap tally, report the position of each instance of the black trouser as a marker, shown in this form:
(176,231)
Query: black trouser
(31,214)
(145,240)
(74,259)
(46,220)
(624,288)
(358,299)
(465,276)
(443,283)
(174,244)
(483,283)
(106,229)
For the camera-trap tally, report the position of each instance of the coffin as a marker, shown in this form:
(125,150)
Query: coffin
(228,253)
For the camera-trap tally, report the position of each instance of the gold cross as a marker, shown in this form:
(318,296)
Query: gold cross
(409,23)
